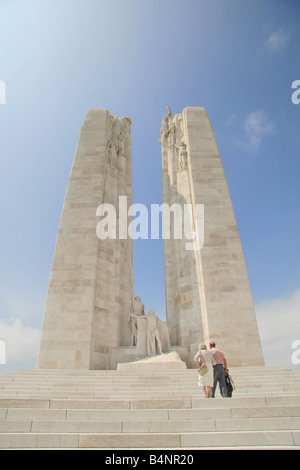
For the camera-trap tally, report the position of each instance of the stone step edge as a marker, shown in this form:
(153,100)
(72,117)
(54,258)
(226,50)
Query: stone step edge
(151,440)
(252,424)
(121,378)
(137,403)
(21,414)
(155,394)
(144,384)
(113,371)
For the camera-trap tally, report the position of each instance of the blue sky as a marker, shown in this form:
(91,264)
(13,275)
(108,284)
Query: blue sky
(236,58)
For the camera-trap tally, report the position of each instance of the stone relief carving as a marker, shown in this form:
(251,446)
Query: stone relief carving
(118,141)
(111,154)
(182,156)
(168,129)
(171,132)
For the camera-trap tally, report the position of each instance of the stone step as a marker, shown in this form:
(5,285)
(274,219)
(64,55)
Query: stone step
(139,385)
(133,381)
(117,375)
(143,382)
(146,426)
(198,440)
(90,372)
(151,414)
(182,403)
(35,394)
(190,393)
(147,392)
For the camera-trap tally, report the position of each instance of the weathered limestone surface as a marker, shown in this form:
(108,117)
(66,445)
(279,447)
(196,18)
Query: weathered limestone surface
(90,287)
(208,295)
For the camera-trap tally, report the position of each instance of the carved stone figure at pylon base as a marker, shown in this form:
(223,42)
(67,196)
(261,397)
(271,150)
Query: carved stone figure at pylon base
(138,312)
(153,337)
(148,333)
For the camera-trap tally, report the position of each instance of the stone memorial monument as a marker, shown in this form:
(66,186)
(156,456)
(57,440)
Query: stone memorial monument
(92,318)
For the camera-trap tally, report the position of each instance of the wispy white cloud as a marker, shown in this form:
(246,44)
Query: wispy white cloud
(18,330)
(255,127)
(21,345)
(21,316)
(277,41)
(278,322)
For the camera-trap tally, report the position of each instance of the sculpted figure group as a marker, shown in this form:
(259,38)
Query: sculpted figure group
(157,331)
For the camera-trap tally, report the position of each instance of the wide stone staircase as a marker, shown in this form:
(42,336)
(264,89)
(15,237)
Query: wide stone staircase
(165,409)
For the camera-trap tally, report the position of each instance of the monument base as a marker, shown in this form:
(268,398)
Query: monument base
(160,362)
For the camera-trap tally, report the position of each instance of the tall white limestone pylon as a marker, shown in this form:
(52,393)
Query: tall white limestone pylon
(91,283)
(208,296)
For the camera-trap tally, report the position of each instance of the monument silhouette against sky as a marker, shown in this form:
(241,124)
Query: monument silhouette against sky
(93,318)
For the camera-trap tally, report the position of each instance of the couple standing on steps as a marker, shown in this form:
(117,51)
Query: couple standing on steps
(217,371)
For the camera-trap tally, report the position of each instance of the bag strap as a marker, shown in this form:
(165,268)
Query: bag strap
(202,357)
